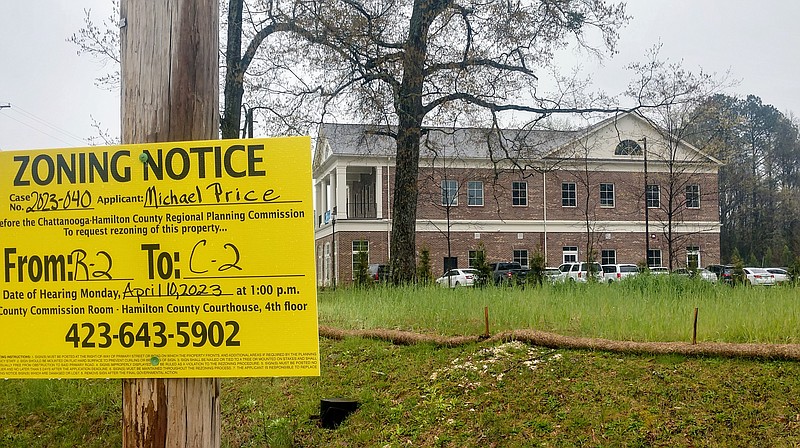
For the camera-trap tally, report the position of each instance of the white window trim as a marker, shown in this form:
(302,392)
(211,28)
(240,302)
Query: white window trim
(470,189)
(513,190)
(573,251)
(660,258)
(454,202)
(698,197)
(613,196)
(354,259)
(527,257)
(658,191)
(575,189)
(608,250)
(470,259)
(693,250)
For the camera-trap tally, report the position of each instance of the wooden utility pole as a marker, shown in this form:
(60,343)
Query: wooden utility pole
(170,92)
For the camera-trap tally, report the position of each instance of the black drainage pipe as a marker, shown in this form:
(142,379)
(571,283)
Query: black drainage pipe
(333,411)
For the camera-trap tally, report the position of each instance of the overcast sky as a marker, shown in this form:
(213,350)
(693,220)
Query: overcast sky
(53,97)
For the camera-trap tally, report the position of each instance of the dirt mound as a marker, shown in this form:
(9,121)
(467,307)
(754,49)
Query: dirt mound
(551,340)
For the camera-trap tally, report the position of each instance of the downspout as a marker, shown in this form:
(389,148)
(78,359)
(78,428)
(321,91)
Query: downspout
(544,212)
(388,212)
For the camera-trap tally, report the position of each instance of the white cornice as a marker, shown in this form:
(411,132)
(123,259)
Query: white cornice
(596,165)
(522,226)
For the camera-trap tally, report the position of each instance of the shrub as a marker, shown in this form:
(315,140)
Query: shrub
(794,271)
(737,276)
(483,268)
(424,271)
(537,264)
(361,274)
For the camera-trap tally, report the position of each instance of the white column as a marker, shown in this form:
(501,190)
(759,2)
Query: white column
(318,205)
(331,193)
(323,195)
(341,192)
(379,192)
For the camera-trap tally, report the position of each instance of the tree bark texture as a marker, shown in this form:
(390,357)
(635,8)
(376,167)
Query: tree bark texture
(410,113)
(170,92)
(234,72)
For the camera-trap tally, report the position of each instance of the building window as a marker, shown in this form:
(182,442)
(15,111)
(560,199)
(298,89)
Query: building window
(475,192)
(608,256)
(360,249)
(449,192)
(692,257)
(606,195)
(519,193)
(693,196)
(628,148)
(569,196)
(472,258)
(521,257)
(653,196)
(654,257)
(569,254)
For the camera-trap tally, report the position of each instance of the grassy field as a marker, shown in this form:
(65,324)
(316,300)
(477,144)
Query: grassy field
(656,308)
(484,395)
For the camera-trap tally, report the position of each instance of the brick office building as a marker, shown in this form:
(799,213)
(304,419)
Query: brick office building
(512,194)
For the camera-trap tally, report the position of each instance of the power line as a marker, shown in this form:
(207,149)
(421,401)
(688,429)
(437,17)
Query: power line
(38,130)
(29,116)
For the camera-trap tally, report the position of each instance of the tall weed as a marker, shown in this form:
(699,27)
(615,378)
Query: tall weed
(642,308)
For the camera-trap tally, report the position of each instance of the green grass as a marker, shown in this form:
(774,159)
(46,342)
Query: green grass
(504,395)
(484,395)
(60,413)
(657,308)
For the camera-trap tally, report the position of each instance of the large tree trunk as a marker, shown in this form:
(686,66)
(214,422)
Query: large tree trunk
(170,92)
(410,113)
(234,73)
(406,191)
(404,216)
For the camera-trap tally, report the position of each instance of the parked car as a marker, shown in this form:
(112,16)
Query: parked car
(658,270)
(551,274)
(378,272)
(724,272)
(580,272)
(759,277)
(616,272)
(508,272)
(701,273)
(781,275)
(458,277)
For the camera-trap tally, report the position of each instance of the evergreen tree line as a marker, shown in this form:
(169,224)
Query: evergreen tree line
(759,185)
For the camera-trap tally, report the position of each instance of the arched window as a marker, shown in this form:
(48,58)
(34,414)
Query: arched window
(628,148)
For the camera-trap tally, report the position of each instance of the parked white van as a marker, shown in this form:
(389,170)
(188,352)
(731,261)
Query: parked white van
(579,272)
(616,272)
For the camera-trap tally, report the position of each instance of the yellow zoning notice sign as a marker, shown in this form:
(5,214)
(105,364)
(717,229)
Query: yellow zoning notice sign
(169,260)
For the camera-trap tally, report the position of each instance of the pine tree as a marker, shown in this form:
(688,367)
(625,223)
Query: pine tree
(737,276)
(484,271)
(424,271)
(361,274)
(537,264)
(786,257)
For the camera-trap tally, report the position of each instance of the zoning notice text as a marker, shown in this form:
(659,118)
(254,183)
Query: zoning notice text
(169,260)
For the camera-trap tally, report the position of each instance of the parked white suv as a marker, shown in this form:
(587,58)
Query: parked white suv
(616,272)
(579,272)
